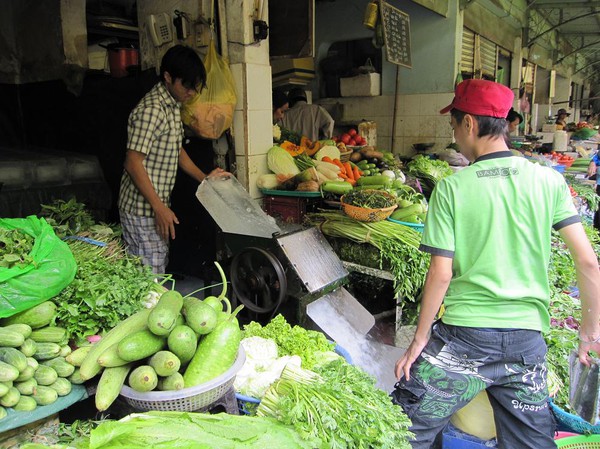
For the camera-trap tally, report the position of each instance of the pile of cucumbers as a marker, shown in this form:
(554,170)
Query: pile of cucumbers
(180,343)
(412,206)
(35,360)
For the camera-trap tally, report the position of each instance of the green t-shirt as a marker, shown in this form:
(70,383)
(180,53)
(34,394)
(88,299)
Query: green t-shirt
(494,219)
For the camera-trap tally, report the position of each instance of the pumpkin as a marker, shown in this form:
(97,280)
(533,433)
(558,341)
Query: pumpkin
(293,149)
(309,146)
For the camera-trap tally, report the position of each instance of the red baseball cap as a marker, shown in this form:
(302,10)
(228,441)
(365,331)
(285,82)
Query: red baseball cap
(481,97)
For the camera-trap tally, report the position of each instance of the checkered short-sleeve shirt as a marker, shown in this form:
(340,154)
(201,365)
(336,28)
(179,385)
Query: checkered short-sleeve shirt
(154,129)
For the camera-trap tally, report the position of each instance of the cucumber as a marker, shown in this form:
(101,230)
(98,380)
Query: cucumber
(13,357)
(90,367)
(21,328)
(163,317)
(76,357)
(25,404)
(49,334)
(36,317)
(413,209)
(169,383)
(33,363)
(4,387)
(164,363)
(140,345)
(10,338)
(11,397)
(26,387)
(65,350)
(110,384)
(143,378)
(46,351)
(45,375)
(8,372)
(110,358)
(62,386)
(26,374)
(183,342)
(216,352)
(60,365)
(29,347)
(76,378)
(374,180)
(201,317)
(44,395)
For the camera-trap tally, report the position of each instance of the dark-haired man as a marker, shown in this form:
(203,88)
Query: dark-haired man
(154,152)
(488,232)
(310,120)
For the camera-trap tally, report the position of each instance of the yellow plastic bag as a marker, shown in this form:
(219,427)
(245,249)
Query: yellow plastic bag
(210,113)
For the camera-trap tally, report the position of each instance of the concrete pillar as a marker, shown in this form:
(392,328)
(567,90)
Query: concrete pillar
(252,119)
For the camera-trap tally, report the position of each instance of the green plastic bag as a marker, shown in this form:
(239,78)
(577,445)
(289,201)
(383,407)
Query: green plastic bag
(53,268)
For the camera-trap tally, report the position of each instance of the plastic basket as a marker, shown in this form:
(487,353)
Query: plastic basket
(572,423)
(366,214)
(416,226)
(559,168)
(247,404)
(187,399)
(579,442)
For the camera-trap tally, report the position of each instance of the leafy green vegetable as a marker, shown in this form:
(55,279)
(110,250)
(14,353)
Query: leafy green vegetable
(185,430)
(290,136)
(584,191)
(369,199)
(281,162)
(397,244)
(429,172)
(291,340)
(340,405)
(67,217)
(15,247)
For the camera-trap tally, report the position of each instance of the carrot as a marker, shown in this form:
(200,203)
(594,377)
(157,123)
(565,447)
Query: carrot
(349,172)
(356,173)
(327,159)
(339,164)
(351,181)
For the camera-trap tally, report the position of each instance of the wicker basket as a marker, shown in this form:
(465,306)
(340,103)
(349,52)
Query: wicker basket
(187,399)
(365,214)
(345,156)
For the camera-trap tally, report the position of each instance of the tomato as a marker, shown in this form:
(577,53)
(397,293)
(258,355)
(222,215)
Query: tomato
(336,139)
(360,140)
(352,143)
(352,132)
(345,138)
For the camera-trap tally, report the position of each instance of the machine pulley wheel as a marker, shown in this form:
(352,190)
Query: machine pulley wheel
(258,280)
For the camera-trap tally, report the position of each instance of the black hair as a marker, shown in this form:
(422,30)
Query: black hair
(513,115)
(183,63)
(488,126)
(279,98)
(296,94)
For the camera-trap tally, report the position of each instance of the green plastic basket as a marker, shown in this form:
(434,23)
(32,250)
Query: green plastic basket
(579,442)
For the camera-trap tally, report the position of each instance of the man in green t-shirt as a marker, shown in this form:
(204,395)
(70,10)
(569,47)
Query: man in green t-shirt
(488,232)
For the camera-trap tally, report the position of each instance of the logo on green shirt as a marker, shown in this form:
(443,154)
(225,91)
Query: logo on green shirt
(496,172)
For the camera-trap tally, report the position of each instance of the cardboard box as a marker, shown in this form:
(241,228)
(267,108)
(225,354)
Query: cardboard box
(366,85)
(548,128)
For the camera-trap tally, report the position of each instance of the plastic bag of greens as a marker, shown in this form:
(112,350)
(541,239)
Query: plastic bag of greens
(49,266)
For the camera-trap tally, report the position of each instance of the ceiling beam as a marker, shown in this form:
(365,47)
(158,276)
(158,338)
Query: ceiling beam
(555,27)
(586,66)
(566,5)
(591,44)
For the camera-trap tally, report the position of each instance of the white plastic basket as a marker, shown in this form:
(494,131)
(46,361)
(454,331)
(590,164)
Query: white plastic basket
(188,399)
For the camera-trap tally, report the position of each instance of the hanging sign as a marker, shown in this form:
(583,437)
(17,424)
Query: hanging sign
(396,34)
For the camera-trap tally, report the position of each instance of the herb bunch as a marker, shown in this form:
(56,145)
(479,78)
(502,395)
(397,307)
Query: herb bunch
(15,248)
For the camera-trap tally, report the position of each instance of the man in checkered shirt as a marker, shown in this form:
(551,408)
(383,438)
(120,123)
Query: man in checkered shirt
(154,153)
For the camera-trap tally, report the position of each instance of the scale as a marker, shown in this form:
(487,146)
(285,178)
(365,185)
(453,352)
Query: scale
(293,271)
